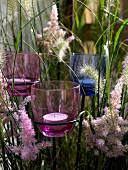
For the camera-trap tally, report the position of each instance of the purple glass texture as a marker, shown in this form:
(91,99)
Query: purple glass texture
(55,102)
(93,60)
(23,68)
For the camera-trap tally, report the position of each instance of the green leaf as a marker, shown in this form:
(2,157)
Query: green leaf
(119,32)
(18,40)
(2,145)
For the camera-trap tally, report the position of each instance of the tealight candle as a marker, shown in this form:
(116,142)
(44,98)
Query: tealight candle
(88,85)
(19,81)
(21,86)
(55,117)
(87,82)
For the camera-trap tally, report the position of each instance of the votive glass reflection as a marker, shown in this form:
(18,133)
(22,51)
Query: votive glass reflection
(95,61)
(22,70)
(53,103)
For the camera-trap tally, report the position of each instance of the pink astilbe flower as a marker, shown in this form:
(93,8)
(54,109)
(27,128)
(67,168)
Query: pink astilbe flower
(125,70)
(54,14)
(53,41)
(105,133)
(125,74)
(29,149)
(106,136)
(24,103)
(44,144)
(116,95)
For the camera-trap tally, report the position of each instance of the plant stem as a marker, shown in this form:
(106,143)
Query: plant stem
(2,146)
(79,134)
(54,153)
(20,20)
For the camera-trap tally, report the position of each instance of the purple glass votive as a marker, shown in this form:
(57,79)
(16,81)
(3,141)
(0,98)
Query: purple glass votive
(21,71)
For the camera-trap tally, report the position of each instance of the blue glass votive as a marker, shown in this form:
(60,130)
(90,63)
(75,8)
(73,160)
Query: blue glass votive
(94,61)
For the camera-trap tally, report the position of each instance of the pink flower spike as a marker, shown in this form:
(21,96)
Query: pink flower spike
(71,38)
(29,149)
(54,14)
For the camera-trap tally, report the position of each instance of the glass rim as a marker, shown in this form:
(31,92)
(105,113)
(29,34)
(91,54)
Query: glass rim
(76,85)
(82,54)
(20,52)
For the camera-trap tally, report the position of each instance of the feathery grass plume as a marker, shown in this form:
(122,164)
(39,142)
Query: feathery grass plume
(2,60)
(63,46)
(29,8)
(13,8)
(53,42)
(88,71)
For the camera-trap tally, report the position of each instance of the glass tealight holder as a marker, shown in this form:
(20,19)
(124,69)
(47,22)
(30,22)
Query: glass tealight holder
(55,106)
(94,61)
(21,71)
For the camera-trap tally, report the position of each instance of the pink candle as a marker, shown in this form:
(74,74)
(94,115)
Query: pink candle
(55,117)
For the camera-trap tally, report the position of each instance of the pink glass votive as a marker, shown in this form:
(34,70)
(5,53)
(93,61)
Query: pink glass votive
(22,69)
(54,105)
